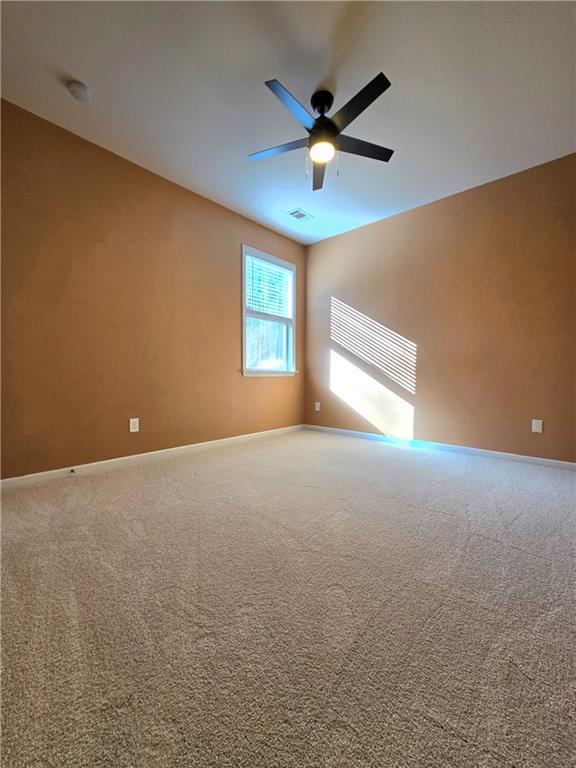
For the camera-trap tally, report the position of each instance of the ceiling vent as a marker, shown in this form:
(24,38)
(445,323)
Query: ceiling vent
(299,214)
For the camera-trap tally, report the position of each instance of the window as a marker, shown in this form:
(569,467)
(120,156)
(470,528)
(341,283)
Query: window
(268,303)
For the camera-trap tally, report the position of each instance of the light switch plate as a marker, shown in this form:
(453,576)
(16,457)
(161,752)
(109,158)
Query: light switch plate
(316,406)
(135,425)
(537,425)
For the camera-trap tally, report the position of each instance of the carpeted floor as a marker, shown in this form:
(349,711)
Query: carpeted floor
(298,600)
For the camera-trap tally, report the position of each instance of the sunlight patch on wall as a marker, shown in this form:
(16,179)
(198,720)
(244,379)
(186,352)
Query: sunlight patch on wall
(384,409)
(372,342)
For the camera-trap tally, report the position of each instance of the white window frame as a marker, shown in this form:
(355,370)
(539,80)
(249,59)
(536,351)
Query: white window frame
(248,250)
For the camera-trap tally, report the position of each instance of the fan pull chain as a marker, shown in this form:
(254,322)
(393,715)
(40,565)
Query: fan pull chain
(337,163)
(307,161)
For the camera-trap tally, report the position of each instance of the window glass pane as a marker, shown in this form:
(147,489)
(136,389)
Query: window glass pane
(268,287)
(267,345)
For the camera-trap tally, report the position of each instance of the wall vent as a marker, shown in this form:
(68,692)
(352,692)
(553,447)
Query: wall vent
(299,214)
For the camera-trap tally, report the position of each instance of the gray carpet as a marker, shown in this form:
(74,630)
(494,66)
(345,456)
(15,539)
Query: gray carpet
(297,600)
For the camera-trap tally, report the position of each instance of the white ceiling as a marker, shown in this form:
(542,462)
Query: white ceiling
(479,91)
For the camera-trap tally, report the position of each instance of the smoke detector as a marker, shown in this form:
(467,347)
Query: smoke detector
(79,91)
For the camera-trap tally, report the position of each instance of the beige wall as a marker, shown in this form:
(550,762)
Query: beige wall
(122,297)
(484,283)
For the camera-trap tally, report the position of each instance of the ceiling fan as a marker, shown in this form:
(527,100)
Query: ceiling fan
(325,133)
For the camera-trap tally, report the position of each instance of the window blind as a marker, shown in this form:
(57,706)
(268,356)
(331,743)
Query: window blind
(268,288)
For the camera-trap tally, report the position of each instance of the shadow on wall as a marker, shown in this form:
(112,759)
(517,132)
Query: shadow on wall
(360,344)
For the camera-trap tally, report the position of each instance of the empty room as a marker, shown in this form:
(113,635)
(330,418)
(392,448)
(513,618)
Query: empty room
(288,384)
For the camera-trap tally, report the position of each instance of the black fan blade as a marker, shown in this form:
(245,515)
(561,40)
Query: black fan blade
(363,148)
(318,175)
(292,105)
(361,101)
(298,144)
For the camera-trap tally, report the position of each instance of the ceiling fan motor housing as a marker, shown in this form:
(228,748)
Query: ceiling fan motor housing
(324,129)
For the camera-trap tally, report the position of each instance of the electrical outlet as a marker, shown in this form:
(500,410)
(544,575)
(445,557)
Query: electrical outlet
(316,406)
(135,425)
(537,425)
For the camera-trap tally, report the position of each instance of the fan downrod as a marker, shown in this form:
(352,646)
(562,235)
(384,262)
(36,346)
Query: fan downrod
(322,101)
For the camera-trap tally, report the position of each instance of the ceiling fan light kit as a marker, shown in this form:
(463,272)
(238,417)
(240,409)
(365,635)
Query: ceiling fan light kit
(322,151)
(325,135)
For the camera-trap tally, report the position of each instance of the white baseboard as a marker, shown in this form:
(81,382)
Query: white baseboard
(570,465)
(97,466)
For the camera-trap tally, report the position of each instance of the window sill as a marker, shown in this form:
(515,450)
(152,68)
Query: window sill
(273,374)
